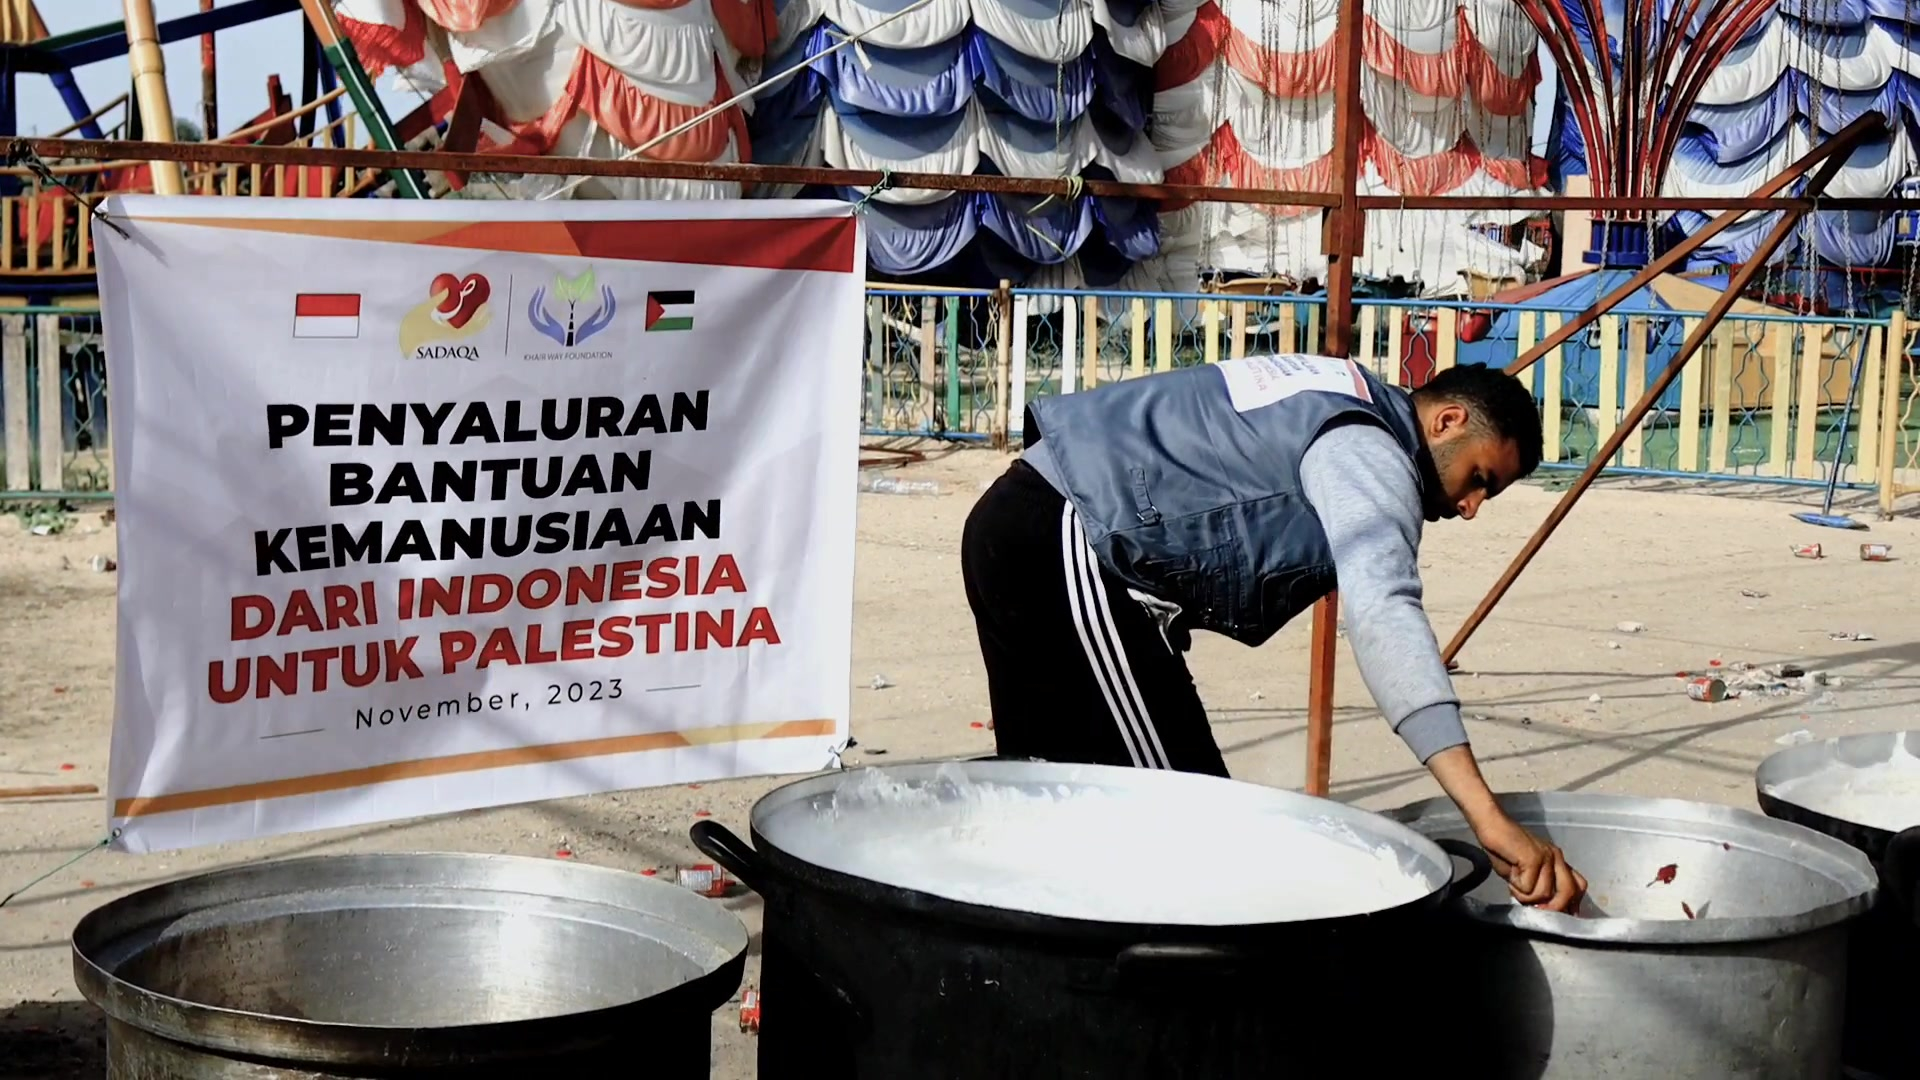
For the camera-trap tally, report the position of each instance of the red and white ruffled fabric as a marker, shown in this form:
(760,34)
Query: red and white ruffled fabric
(584,77)
(1244,98)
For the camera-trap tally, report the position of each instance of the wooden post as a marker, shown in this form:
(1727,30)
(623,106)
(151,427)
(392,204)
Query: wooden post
(1344,241)
(13,401)
(46,354)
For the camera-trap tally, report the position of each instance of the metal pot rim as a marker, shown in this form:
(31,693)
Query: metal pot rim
(1821,854)
(241,1031)
(930,904)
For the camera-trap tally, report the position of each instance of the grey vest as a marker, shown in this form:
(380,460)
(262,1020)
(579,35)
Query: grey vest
(1190,491)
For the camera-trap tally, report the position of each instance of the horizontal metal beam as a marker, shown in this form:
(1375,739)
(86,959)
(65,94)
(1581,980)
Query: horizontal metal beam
(211,153)
(108,41)
(216,153)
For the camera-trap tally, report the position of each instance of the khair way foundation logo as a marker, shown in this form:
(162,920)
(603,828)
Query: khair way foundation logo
(562,314)
(455,310)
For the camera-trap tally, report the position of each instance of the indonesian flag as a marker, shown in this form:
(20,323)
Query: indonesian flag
(326,315)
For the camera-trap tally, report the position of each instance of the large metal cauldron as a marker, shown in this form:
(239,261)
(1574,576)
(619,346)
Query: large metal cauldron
(409,965)
(1809,785)
(865,978)
(1750,988)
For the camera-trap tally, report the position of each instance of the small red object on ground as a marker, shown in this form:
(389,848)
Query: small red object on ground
(66,768)
(976,724)
(649,872)
(705,879)
(750,1010)
(1806,551)
(563,853)
(1706,688)
(1685,908)
(1876,552)
(1664,875)
(703,813)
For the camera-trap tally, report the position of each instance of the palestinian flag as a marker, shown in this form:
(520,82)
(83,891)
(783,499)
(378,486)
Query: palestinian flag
(670,310)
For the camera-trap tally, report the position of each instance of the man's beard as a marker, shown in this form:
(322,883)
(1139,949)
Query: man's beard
(1438,506)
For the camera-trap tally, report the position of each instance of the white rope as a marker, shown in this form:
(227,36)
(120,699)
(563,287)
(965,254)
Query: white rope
(744,95)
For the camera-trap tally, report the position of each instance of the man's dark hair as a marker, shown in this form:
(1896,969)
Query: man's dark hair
(1498,403)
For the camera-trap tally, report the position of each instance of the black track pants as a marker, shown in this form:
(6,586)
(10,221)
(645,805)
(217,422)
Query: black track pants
(1077,669)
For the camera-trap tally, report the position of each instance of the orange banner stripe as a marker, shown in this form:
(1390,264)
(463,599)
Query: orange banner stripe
(143,805)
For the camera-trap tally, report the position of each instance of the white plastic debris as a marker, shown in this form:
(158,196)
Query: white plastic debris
(1631,627)
(1613,644)
(880,682)
(1795,738)
(1593,699)
(1849,635)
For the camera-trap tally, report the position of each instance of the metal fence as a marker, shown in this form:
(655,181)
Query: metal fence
(53,404)
(1762,402)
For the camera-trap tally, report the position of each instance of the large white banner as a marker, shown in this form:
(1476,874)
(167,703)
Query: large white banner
(433,506)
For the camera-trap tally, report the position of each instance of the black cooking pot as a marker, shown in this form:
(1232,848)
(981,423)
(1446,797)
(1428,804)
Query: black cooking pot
(1883,995)
(865,978)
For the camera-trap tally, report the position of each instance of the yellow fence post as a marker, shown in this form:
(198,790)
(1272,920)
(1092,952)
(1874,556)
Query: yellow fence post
(1137,343)
(1892,390)
(1163,335)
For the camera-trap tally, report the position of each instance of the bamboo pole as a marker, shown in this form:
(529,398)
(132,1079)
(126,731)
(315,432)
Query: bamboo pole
(1629,424)
(150,87)
(1345,241)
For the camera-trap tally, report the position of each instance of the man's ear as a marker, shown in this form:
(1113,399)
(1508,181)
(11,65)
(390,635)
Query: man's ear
(1449,417)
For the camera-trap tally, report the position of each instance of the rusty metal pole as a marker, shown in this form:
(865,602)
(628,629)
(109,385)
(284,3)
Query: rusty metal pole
(209,85)
(1866,126)
(1344,240)
(1709,322)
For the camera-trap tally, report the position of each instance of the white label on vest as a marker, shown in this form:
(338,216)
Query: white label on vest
(1254,381)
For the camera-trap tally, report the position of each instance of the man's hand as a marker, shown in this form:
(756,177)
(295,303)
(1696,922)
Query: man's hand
(1536,872)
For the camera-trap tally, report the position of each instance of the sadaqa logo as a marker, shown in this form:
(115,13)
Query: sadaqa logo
(455,310)
(571,296)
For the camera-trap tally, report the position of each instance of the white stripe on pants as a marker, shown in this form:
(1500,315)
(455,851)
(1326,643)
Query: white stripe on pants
(1093,619)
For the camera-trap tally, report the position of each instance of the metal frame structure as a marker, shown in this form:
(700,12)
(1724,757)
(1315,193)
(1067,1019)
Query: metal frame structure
(1343,242)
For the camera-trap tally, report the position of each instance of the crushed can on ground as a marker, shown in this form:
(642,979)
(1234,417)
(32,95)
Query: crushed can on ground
(1707,688)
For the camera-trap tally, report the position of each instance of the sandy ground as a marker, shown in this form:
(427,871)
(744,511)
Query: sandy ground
(1558,697)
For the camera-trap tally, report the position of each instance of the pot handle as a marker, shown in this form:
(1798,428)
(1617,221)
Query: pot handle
(1479,866)
(1900,870)
(719,843)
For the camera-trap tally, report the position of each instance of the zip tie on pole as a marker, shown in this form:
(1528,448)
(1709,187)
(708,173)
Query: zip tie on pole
(748,94)
(19,153)
(104,841)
